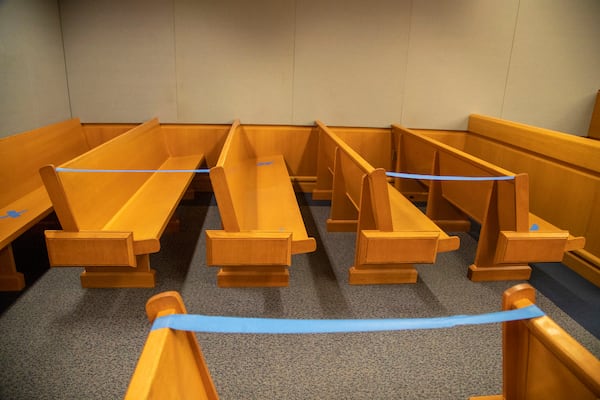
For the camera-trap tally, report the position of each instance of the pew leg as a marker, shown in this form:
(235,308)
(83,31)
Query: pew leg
(141,276)
(382,274)
(253,276)
(10,279)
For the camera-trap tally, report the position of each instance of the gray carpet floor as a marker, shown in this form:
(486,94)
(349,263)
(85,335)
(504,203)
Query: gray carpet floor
(59,341)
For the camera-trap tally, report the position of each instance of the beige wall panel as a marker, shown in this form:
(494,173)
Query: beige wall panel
(33,82)
(457,62)
(350,61)
(235,60)
(120,59)
(555,66)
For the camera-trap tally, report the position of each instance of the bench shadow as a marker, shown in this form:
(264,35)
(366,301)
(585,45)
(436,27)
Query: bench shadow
(330,296)
(173,262)
(31,257)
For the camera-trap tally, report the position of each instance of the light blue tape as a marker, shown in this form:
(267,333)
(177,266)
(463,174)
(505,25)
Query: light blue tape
(449,177)
(12,214)
(200,171)
(215,324)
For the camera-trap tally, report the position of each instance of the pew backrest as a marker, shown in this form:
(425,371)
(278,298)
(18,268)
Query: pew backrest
(114,189)
(22,155)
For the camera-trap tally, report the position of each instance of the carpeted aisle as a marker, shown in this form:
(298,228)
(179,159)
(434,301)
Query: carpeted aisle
(59,341)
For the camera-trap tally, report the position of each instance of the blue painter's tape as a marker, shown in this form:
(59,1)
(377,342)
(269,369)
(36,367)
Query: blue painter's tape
(199,171)
(215,324)
(263,163)
(12,214)
(534,227)
(449,177)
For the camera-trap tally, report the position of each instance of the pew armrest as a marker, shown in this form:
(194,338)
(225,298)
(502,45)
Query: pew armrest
(90,248)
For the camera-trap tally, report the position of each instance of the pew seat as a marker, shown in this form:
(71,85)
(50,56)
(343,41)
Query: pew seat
(23,198)
(261,219)
(113,220)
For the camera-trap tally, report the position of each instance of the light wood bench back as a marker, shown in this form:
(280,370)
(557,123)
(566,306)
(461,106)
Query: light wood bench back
(171,365)
(106,193)
(351,166)
(22,155)
(472,197)
(542,361)
(229,170)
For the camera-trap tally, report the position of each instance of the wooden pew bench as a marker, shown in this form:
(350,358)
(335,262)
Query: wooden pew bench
(262,223)
(112,221)
(392,233)
(171,365)
(23,198)
(540,360)
(510,236)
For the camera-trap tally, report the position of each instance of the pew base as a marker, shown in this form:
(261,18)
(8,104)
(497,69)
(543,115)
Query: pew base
(492,397)
(125,278)
(240,277)
(382,274)
(499,273)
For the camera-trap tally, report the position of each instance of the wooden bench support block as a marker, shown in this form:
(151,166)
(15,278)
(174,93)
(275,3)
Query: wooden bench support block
(382,274)
(519,247)
(499,273)
(125,278)
(341,225)
(266,276)
(141,276)
(10,279)
(81,249)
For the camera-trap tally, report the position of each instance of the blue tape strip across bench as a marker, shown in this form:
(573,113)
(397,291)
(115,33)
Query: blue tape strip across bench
(391,174)
(217,324)
(449,177)
(200,171)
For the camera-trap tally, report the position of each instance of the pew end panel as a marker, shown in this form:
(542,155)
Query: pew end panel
(540,359)
(171,364)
